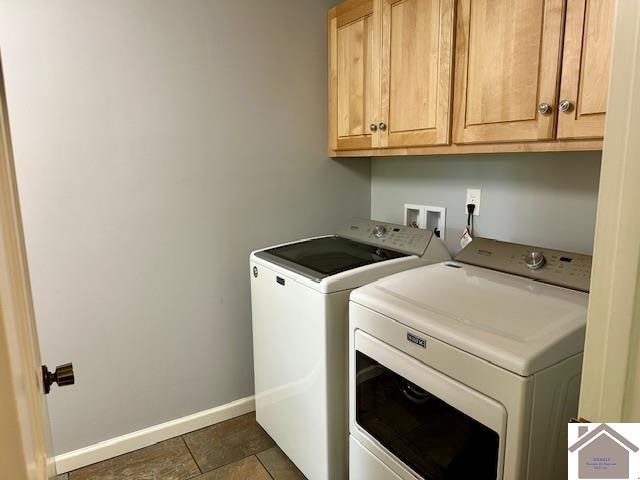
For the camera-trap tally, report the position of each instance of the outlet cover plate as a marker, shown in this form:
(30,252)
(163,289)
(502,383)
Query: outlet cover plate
(473,196)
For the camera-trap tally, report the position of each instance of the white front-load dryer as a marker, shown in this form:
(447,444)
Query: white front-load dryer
(468,368)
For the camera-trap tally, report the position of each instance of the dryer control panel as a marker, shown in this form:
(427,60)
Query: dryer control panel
(566,269)
(413,241)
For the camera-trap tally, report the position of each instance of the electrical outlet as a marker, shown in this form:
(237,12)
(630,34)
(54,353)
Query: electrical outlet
(473,196)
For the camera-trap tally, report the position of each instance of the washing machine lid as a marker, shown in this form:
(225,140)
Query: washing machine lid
(514,322)
(319,258)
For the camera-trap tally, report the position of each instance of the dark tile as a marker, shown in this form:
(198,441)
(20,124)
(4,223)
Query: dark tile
(246,469)
(226,442)
(168,460)
(279,465)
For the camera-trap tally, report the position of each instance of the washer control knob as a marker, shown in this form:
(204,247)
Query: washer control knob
(534,260)
(379,231)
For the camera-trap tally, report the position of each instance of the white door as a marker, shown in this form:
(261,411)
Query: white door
(25,446)
(421,420)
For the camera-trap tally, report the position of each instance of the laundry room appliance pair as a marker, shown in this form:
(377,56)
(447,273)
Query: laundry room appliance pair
(299,299)
(468,368)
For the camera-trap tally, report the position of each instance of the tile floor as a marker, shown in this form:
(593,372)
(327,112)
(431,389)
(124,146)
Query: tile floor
(238,449)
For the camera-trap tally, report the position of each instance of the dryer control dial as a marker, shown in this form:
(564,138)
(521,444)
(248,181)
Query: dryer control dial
(379,231)
(535,260)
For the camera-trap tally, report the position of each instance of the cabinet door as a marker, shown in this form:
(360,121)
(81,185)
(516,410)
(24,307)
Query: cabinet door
(353,84)
(507,65)
(417,57)
(585,68)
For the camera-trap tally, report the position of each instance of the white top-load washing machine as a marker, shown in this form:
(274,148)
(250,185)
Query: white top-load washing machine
(468,368)
(299,298)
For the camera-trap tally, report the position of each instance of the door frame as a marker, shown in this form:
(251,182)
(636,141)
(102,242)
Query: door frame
(610,389)
(24,429)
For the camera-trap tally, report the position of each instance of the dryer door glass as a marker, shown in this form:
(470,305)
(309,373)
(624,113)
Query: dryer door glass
(434,439)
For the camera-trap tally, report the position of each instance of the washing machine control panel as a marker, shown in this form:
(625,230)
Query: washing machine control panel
(566,269)
(413,241)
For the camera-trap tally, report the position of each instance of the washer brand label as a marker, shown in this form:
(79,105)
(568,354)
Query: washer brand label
(421,342)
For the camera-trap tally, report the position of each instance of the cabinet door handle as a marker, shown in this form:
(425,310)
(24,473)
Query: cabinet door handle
(382,126)
(544,109)
(373,127)
(564,106)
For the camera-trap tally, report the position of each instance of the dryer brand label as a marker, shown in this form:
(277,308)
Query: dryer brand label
(421,342)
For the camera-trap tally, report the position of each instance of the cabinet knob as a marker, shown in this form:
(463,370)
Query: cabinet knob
(564,106)
(382,126)
(544,109)
(373,127)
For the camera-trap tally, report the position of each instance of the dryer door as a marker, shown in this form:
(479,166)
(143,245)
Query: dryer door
(438,428)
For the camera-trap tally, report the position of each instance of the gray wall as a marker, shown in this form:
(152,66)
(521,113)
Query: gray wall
(157,142)
(545,199)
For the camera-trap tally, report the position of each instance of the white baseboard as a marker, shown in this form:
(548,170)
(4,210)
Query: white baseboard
(148,436)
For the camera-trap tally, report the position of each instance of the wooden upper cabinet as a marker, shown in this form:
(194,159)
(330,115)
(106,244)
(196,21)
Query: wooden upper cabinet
(416,72)
(390,73)
(585,68)
(507,66)
(353,84)
(528,75)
